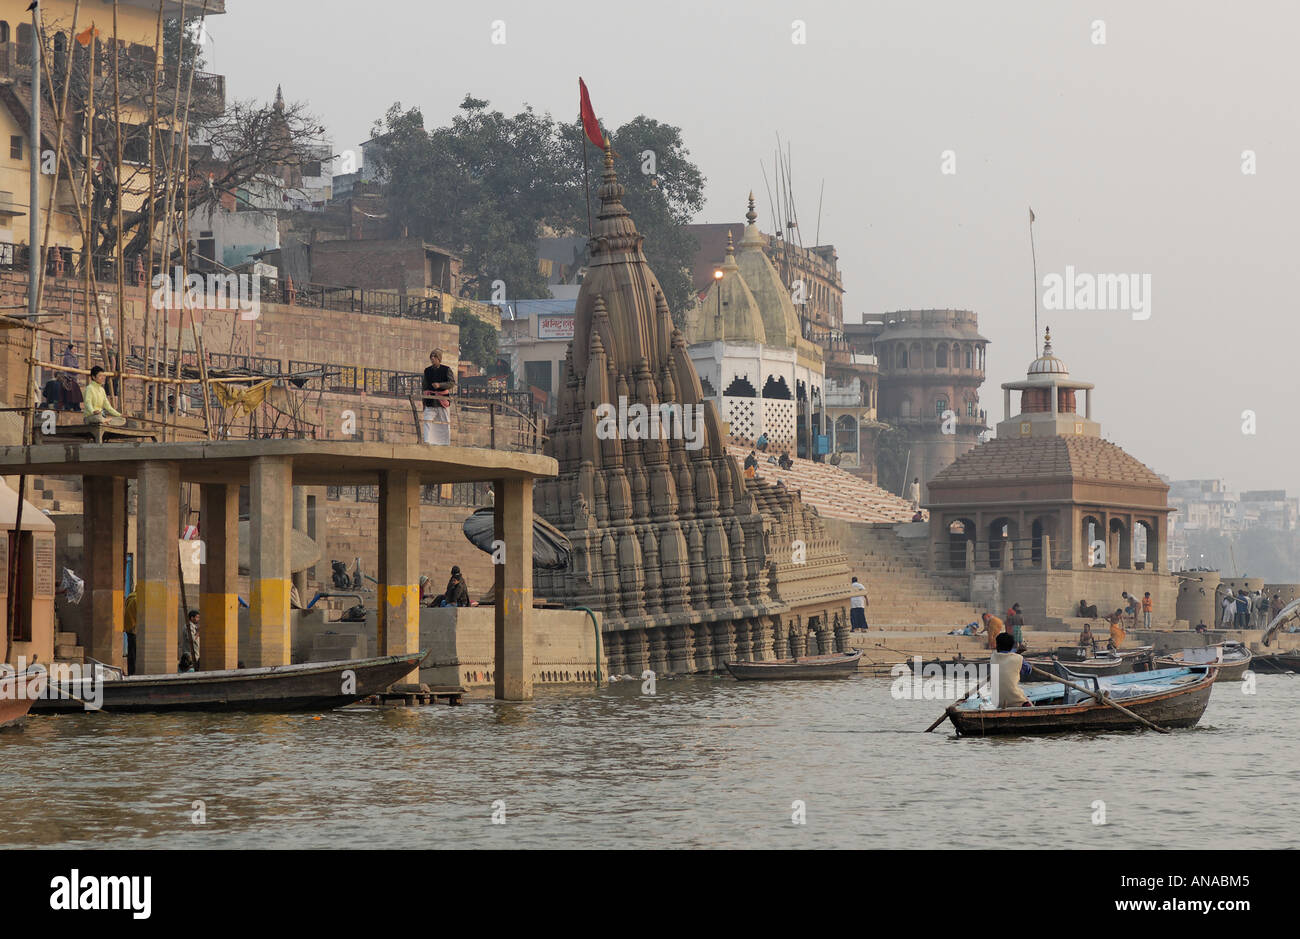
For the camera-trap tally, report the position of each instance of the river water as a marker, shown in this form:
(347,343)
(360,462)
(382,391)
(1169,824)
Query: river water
(703,762)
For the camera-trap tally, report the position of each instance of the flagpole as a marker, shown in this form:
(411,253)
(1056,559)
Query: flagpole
(586,186)
(1033,254)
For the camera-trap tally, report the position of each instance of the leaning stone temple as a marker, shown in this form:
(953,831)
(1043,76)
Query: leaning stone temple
(691,564)
(1049,513)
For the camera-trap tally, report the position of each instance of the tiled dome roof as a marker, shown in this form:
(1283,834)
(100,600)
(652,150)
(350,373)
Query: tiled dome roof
(1086,459)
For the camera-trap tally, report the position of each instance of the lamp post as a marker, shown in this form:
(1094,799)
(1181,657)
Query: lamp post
(717,282)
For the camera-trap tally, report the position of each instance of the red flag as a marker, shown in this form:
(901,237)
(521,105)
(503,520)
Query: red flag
(589,122)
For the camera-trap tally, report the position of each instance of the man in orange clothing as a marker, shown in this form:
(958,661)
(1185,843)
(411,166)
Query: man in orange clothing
(992,626)
(1147,606)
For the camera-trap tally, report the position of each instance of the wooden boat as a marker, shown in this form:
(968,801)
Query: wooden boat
(313,686)
(1169,697)
(1100,663)
(1277,663)
(1232,658)
(18,692)
(836,665)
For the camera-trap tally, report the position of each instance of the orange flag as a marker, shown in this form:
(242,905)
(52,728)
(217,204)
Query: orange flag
(87,34)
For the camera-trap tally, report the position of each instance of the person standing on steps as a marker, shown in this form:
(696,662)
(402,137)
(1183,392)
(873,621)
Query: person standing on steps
(858,607)
(914,493)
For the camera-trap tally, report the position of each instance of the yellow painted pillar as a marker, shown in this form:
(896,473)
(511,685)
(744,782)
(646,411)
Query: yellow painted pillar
(158,582)
(218,573)
(399,566)
(105,550)
(270,509)
(514,590)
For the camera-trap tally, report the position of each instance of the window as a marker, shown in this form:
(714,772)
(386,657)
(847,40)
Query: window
(941,357)
(16,148)
(538,375)
(940,405)
(970,408)
(968,357)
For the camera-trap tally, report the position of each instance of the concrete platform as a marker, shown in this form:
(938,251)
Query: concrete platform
(315,462)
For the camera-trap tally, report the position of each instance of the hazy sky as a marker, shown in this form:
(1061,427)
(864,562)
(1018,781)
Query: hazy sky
(1129,152)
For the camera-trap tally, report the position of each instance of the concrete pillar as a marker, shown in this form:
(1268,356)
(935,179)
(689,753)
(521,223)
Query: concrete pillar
(513,507)
(158,591)
(270,510)
(399,566)
(218,576)
(300,524)
(1047,551)
(105,550)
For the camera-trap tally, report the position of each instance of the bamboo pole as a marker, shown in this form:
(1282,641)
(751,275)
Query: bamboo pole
(169,193)
(121,270)
(150,313)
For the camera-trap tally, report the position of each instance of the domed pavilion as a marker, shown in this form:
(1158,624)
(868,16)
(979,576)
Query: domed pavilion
(1049,513)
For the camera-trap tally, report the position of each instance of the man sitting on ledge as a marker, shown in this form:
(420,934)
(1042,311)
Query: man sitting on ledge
(94,405)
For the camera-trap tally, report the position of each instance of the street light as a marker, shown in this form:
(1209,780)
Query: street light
(717,276)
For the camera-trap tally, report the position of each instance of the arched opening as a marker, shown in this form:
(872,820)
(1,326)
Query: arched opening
(914,356)
(740,388)
(970,358)
(902,356)
(776,388)
(929,356)
(4,31)
(846,434)
(1145,554)
(941,357)
(956,356)
(1043,525)
(1002,531)
(961,544)
(1119,545)
(1094,548)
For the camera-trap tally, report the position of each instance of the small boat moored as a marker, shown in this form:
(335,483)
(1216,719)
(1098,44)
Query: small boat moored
(836,665)
(1232,658)
(311,686)
(18,692)
(1169,698)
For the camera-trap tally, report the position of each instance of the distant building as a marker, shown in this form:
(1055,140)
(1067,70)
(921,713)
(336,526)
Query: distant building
(744,338)
(535,336)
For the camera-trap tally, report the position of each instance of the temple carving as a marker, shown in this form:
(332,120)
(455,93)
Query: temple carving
(691,564)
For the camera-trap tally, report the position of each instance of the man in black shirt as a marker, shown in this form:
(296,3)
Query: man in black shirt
(438,384)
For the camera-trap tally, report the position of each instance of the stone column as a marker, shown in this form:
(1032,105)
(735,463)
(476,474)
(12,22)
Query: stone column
(841,631)
(300,524)
(703,645)
(514,590)
(158,593)
(399,566)
(105,551)
(658,642)
(780,645)
(219,576)
(270,510)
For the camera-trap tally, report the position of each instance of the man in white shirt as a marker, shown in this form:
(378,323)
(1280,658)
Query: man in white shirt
(1229,609)
(858,607)
(1006,664)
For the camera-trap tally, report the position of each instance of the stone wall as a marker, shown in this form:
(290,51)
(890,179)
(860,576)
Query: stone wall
(461,644)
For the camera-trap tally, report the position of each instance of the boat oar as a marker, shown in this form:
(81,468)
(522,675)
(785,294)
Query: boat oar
(944,716)
(1102,698)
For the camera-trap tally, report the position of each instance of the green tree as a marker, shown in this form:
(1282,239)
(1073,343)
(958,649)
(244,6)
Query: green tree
(489,185)
(484,186)
(892,446)
(478,340)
